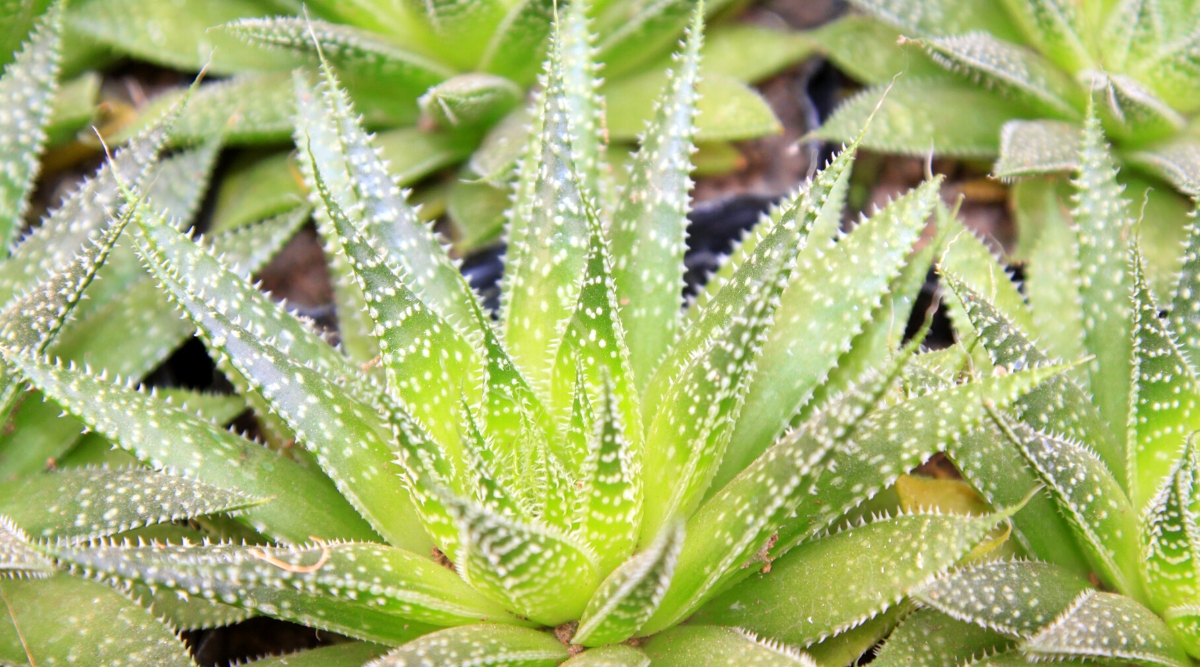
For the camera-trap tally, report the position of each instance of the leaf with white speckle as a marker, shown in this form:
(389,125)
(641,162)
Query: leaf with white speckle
(535,570)
(1055,28)
(522,31)
(1014,70)
(929,638)
(548,232)
(1170,535)
(737,524)
(942,17)
(178,442)
(720,647)
(1106,625)
(468,646)
(703,382)
(428,365)
(1014,598)
(830,585)
(82,504)
(370,591)
(1030,147)
(88,624)
(328,128)
(343,431)
(1165,393)
(18,558)
(629,596)
(1091,500)
(336,655)
(650,221)
(610,491)
(613,655)
(1102,223)
(26,94)
(357,52)
(826,305)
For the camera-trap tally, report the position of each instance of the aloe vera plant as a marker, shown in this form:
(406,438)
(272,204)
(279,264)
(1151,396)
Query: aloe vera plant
(567,484)
(446,83)
(1020,72)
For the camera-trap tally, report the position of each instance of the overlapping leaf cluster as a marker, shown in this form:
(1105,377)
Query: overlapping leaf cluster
(446,80)
(73,287)
(1019,74)
(569,483)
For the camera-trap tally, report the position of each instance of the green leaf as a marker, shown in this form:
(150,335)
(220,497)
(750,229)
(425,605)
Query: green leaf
(1013,70)
(1057,405)
(719,647)
(1031,147)
(650,222)
(929,638)
(548,234)
(360,180)
(826,586)
(74,108)
(175,34)
(250,108)
(910,118)
(323,425)
(998,471)
(425,361)
(355,52)
(1185,304)
(700,389)
(458,31)
(1055,28)
(134,332)
(1168,534)
(751,53)
(1052,271)
(1166,54)
(1176,161)
(727,109)
(486,644)
(1014,598)
(78,505)
(586,109)
(18,19)
(257,188)
(848,647)
(1163,397)
(610,488)
(636,32)
(33,320)
(868,51)
(27,90)
(942,17)
(630,595)
(337,655)
(175,441)
(370,591)
(533,569)
(1090,498)
(102,626)
(18,558)
(1102,224)
(615,655)
(68,228)
(477,209)
(1106,625)
(471,99)
(518,45)
(830,312)
(1134,113)
(770,499)
(411,154)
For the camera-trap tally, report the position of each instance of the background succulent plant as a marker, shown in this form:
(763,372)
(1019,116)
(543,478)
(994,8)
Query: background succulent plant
(1018,75)
(445,81)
